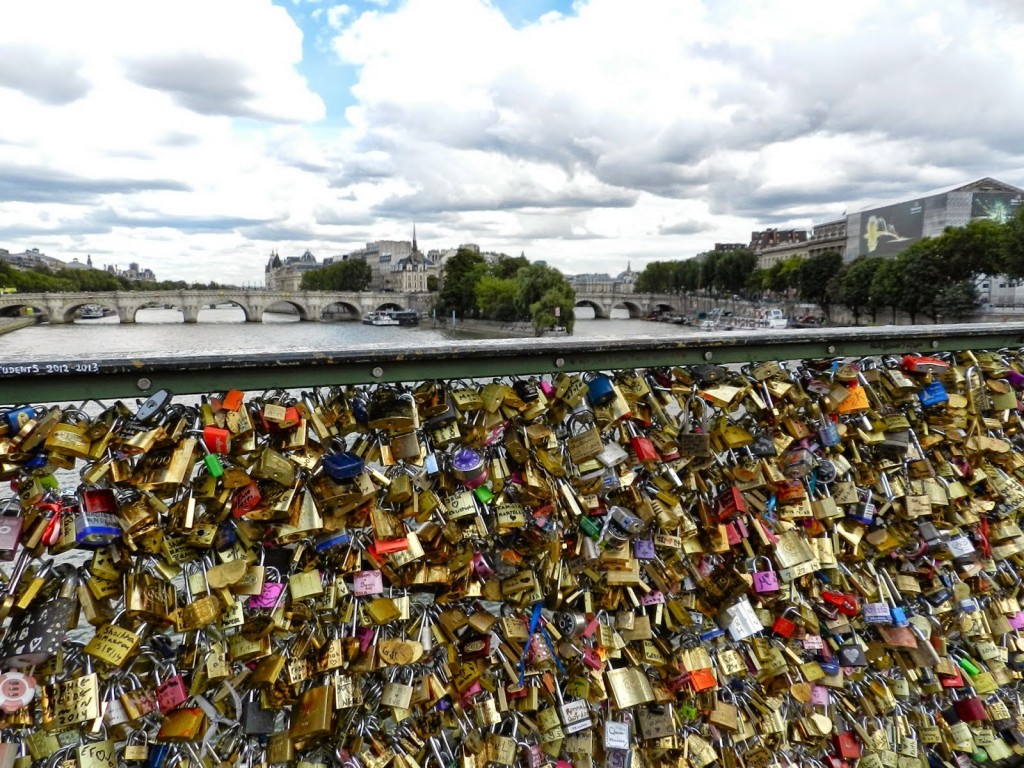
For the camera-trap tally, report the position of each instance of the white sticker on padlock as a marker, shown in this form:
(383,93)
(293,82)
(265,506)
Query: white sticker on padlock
(960,546)
(616,735)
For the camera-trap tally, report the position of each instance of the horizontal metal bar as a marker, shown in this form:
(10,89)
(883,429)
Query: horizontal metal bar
(70,380)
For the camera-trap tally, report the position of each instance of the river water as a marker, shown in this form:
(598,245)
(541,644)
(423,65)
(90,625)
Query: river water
(223,330)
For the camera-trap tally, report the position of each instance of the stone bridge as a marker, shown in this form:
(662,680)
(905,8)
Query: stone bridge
(638,304)
(311,306)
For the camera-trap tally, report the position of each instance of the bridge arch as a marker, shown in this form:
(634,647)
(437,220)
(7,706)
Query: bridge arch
(599,310)
(389,306)
(67,311)
(247,311)
(635,310)
(300,308)
(341,311)
(25,309)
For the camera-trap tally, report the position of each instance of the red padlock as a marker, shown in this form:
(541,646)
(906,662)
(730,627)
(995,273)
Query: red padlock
(244,499)
(730,503)
(172,692)
(846,745)
(785,626)
(970,708)
(702,680)
(643,448)
(845,603)
(217,439)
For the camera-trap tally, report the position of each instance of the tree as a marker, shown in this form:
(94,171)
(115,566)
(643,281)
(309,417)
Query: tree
(496,297)
(656,277)
(921,278)
(815,277)
(458,285)
(432,283)
(1013,246)
(957,301)
(854,286)
(347,275)
(506,266)
(534,281)
(885,284)
(976,249)
(554,308)
(732,269)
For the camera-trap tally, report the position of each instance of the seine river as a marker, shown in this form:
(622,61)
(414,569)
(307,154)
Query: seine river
(161,332)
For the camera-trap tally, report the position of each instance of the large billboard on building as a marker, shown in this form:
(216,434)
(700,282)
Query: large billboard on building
(1000,207)
(888,230)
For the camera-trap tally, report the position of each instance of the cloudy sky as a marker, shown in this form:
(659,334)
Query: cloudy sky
(196,136)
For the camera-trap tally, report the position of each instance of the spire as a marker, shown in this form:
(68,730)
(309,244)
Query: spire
(414,248)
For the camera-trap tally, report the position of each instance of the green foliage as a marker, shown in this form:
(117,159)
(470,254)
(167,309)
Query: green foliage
(534,281)
(816,278)
(957,301)
(458,286)
(432,283)
(976,249)
(716,271)
(854,286)
(90,280)
(885,284)
(348,275)
(1013,245)
(496,297)
(656,277)
(921,277)
(506,266)
(542,312)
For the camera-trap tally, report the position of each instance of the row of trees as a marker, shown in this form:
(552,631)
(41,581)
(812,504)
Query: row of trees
(45,280)
(509,290)
(934,277)
(348,275)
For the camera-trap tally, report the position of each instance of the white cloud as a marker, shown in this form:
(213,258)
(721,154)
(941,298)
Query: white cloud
(184,134)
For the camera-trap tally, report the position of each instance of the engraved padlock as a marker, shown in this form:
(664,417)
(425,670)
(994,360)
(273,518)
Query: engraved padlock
(767,580)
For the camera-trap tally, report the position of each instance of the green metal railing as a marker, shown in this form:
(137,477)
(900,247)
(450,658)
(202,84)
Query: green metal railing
(23,381)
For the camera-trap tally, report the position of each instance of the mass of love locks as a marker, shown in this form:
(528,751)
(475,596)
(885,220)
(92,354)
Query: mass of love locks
(808,563)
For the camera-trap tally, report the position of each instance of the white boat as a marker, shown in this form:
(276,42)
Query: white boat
(774,319)
(92,312)
(380,318)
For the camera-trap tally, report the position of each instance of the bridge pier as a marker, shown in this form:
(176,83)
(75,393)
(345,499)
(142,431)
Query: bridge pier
(126,315)
(190,313)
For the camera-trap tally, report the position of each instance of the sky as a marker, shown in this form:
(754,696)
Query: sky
(195,137)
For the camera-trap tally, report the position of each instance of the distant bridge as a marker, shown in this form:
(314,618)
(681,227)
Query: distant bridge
(312,306)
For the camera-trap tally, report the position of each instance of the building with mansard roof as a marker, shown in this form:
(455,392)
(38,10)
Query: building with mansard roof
(286,274)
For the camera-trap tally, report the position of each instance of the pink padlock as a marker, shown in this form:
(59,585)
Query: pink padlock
(765,581)
(482,567)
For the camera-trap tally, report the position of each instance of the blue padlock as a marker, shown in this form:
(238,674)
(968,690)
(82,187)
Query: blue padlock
(331,539)
(933,394)
(830,667)
(16,418)
(157,755)
(600,390)
(899,616)
(342,466)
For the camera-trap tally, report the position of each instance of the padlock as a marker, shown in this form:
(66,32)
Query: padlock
(600,389)
(171,691)
(785,624)
(765,581)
